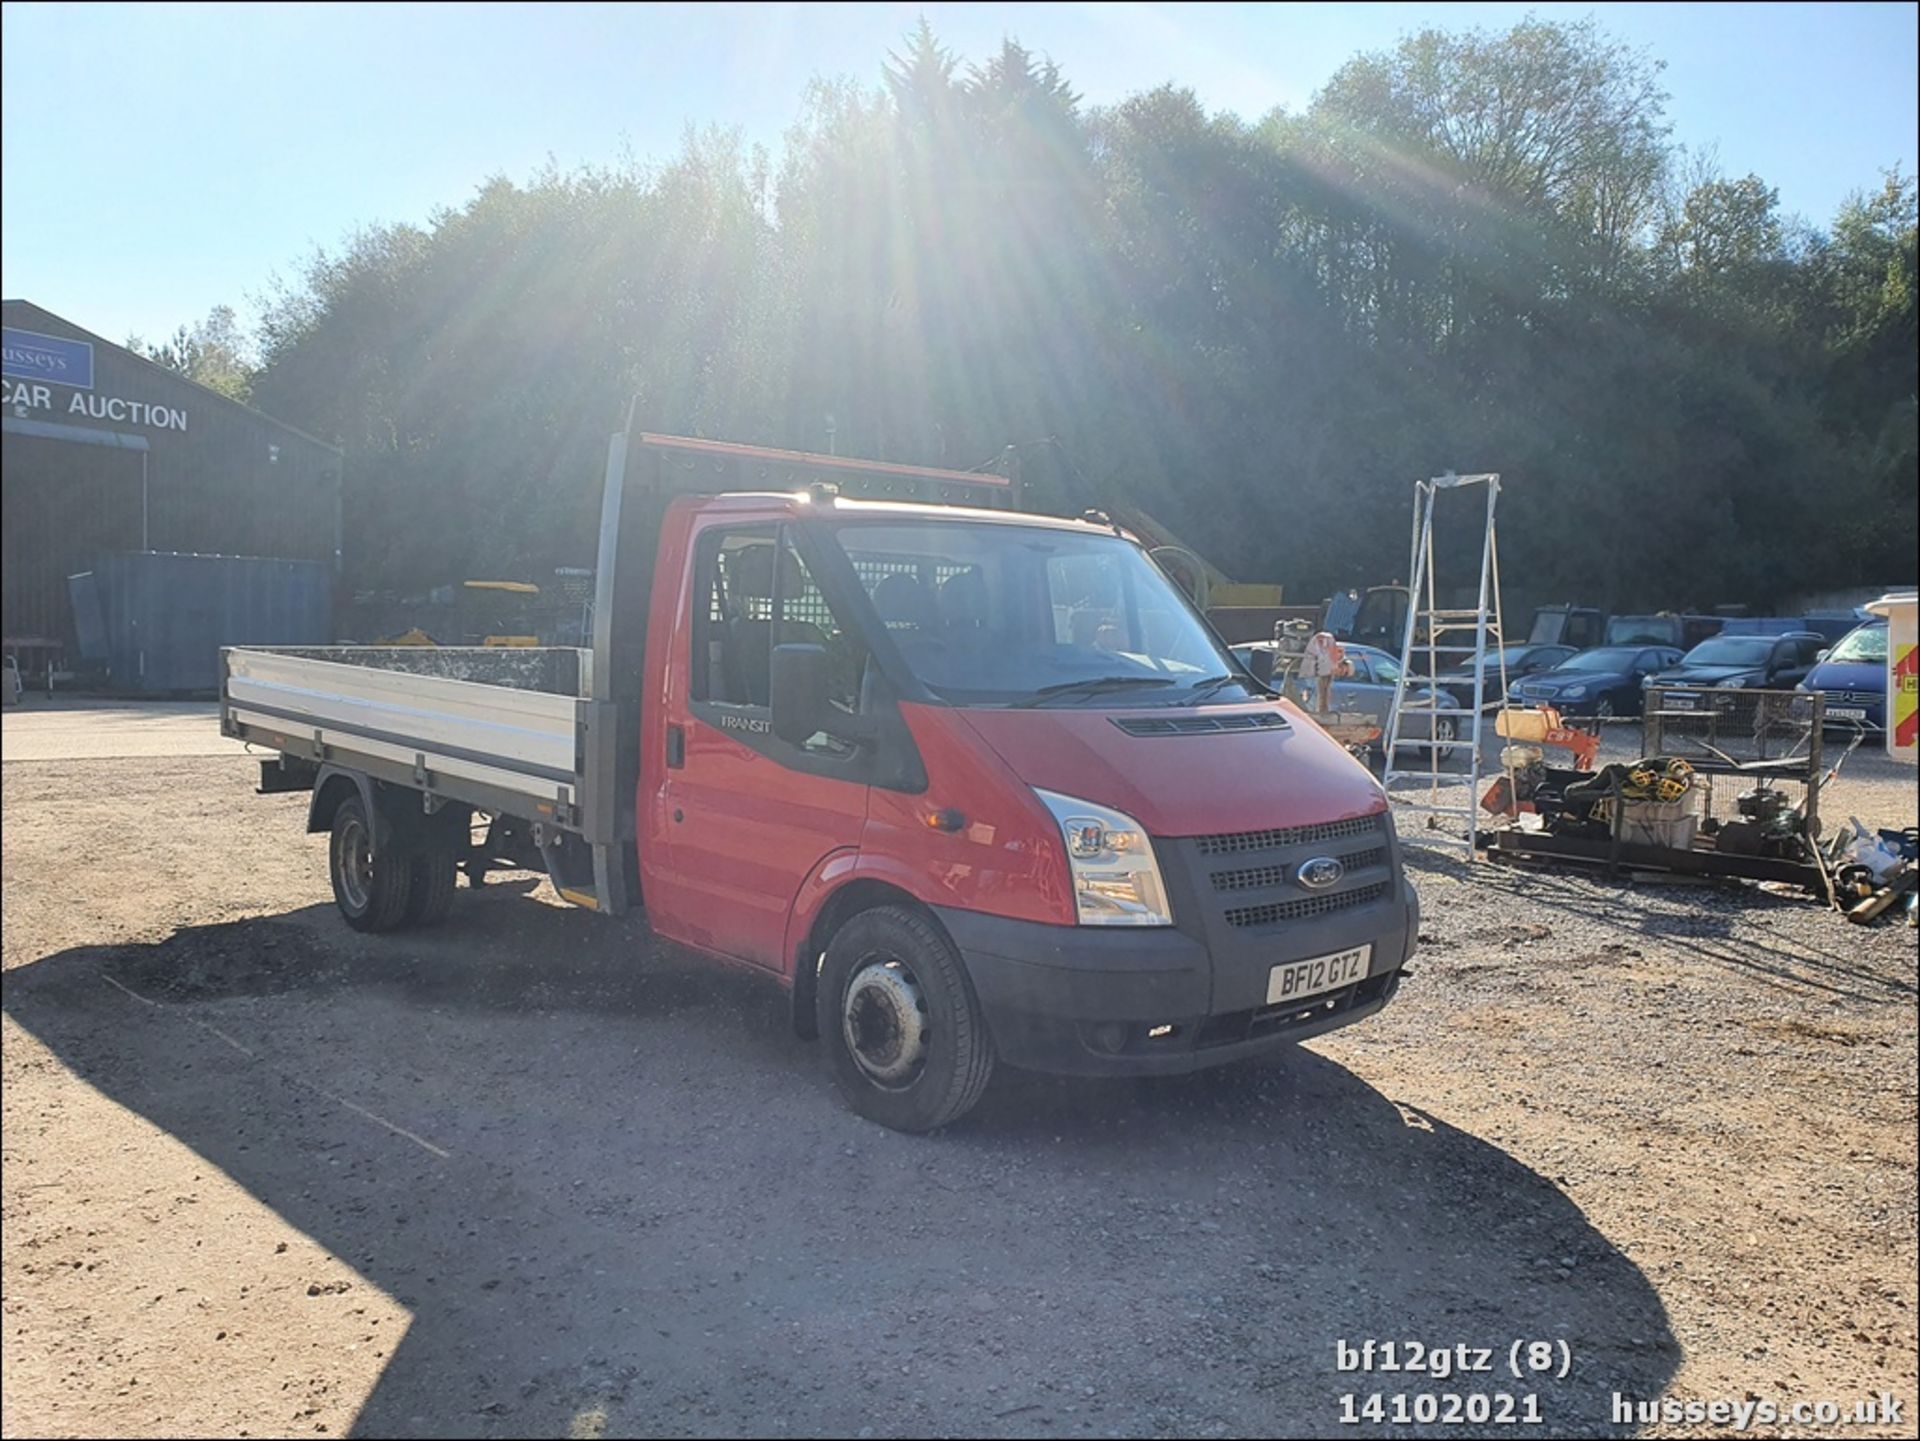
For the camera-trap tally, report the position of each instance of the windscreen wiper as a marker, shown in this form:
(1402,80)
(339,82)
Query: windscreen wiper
(1092,685)
(1213,683)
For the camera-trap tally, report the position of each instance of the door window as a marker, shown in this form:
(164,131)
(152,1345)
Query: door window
(753,591)
(803,616)
(733,615)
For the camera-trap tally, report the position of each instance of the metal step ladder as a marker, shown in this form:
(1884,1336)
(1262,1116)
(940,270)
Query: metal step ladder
(1449,815)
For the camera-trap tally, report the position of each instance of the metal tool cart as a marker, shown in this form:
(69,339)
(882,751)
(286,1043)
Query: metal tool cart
(1729,786)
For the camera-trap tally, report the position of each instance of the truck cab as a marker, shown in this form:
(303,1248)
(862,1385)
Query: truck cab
(1016,731)
(973,786)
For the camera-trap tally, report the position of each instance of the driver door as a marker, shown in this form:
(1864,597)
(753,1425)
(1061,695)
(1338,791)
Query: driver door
(748,816)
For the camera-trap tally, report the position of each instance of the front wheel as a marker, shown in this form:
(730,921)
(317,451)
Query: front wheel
(904,1035)
(1605,708)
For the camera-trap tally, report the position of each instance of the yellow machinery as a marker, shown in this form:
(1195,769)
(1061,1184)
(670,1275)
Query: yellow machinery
(480,612)
(1240,610)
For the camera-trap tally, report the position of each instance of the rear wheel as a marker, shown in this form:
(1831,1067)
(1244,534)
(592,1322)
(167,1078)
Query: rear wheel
(904,1035)
(371,880)
(431,875)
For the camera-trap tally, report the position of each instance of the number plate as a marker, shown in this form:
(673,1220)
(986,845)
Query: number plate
(1681,702)
(1847,712)
(1297,980)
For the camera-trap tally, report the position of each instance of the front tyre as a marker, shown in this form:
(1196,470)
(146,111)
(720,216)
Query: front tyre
(904,1035)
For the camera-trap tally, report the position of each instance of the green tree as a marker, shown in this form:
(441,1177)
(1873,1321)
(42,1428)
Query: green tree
(1724,228)
(1474,250)
(213,353)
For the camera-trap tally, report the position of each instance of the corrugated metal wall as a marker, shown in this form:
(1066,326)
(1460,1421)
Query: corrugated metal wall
(157,619)
(60,504)
(233,482)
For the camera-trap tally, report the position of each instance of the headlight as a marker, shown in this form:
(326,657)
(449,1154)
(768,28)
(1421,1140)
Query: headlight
(1574,692)
(1734,682)
(1116,881)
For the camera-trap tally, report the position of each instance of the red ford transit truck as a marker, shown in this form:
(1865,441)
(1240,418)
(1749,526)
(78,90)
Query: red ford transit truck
(972,785)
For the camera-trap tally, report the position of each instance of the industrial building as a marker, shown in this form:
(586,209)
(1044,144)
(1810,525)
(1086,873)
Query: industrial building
(105,453)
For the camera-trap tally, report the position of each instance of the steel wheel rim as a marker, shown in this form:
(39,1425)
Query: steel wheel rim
(353,863)
(884,1020)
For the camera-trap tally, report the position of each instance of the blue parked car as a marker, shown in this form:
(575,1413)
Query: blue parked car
(1605,681)
(1853,675)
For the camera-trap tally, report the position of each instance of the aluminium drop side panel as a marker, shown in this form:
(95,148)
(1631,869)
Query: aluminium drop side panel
(519,742)
(552,670)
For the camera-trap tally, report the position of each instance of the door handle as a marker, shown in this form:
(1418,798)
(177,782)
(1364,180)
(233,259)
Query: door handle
(676,747)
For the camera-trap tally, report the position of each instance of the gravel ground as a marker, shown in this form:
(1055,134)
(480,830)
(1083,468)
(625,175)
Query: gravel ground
(519,1177)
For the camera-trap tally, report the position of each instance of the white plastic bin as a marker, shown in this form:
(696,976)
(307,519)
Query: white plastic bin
(1659,823)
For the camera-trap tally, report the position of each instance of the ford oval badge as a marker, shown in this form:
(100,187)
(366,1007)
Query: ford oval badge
(1320,872)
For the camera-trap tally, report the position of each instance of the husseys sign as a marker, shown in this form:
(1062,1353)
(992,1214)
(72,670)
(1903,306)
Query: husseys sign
(33,356)
(35,365)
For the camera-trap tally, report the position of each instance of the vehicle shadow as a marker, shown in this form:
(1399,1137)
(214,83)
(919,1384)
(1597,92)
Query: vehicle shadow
(623,1197)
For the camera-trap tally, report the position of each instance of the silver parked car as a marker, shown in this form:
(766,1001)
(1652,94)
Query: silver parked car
(1368,689)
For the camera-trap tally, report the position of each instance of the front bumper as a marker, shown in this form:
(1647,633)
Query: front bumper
(1082,1000)
(1872,717)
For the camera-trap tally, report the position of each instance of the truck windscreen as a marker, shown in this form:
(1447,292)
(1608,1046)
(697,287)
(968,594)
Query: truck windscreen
(1001,614)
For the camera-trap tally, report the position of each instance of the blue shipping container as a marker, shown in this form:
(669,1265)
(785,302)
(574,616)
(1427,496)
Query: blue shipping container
(157,619)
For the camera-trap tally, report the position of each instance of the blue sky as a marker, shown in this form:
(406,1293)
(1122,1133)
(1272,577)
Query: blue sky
(158,160)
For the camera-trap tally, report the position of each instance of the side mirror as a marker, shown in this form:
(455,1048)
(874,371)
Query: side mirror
(1822,655)
(798,691)
(1260,662)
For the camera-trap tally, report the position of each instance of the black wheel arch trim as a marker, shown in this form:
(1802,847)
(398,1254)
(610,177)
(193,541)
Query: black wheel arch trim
(847,900)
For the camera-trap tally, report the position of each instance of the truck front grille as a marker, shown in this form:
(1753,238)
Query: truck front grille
(1273,911)
(1257,877)
(1238,842)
